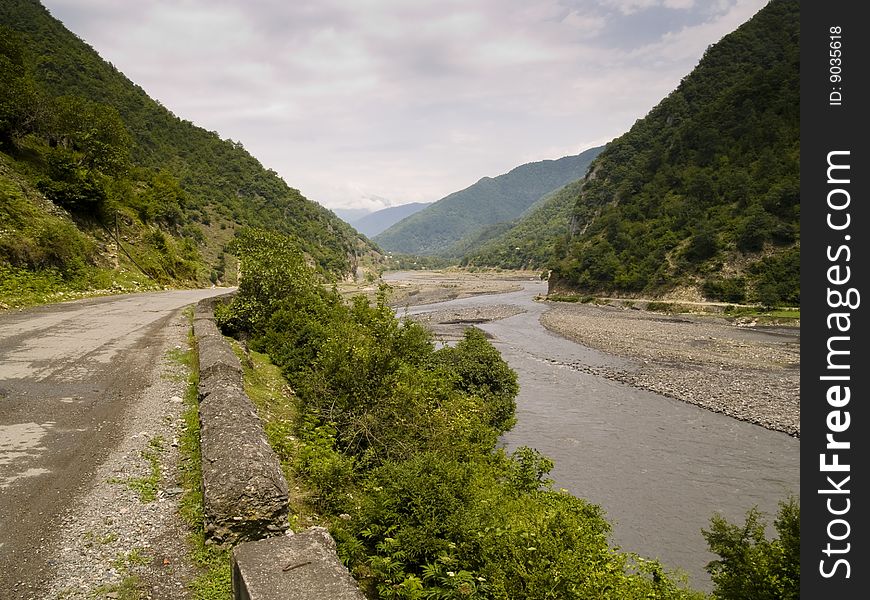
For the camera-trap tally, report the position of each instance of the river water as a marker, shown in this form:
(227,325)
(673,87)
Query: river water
(660,468)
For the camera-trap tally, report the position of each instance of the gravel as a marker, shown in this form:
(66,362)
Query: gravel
(734,367)
(746,372)
(111,536)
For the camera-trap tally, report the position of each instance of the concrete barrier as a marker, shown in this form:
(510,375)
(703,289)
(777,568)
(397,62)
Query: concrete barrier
(245,492)
(243,487)
(299,567)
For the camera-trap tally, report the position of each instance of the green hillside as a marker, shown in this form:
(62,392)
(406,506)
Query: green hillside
(529,242)
(704,191)
(492,200)
(80,145)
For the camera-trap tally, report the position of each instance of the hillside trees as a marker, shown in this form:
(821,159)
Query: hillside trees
(88,145)
(704,191)
(18,95)
(95,144)
(397,440)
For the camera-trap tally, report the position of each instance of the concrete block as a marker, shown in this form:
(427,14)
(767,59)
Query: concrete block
(304,566)
(244,489)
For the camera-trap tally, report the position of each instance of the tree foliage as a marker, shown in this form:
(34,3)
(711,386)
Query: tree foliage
(750,565)
(95,144)
(398,439)
(703,189)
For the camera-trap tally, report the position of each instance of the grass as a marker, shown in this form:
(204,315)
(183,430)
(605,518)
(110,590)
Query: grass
(279,409)
(214,581)
(20,288)
(146,486)
(90,539)
(573,298)
(131,586)
(772,313)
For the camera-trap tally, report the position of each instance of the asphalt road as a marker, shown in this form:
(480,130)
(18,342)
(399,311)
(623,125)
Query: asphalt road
(68,373)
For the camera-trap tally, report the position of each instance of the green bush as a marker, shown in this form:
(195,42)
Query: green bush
(434,528)
(397,443)
(725,289)
(751,566)
(477,368)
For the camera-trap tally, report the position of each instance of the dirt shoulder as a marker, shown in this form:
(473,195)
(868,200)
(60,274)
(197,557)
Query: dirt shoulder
(749,373)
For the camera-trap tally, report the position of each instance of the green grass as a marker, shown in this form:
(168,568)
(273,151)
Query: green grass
(574,298)
(146,486)
(754,311)
(214,581)
(279,408)
(20,288)
(131,588)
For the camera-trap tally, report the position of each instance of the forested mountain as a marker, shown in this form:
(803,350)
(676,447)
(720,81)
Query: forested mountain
(704,191)
(492,200)
(80,144)
(374,223)
(528,242)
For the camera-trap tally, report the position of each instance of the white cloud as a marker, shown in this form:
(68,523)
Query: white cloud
(373,101)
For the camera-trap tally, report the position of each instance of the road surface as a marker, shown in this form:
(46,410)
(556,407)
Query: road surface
(68,374)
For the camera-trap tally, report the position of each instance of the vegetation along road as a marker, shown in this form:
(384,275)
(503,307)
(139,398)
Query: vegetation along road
(72,377)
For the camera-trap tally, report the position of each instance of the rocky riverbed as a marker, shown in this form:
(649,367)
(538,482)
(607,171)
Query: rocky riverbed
(746,372)
(735,367)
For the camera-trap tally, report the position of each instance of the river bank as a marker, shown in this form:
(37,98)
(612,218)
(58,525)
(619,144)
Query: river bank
(739,369)
(749,373)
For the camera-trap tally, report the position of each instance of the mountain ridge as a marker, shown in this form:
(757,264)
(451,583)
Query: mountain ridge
(84,137)
(491,200)
(700,197)
(375,222)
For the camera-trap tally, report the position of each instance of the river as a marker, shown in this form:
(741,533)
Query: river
(660,468)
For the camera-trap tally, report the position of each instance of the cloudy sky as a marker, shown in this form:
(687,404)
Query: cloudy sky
(370,103)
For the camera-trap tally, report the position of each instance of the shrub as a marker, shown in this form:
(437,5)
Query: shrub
(751,566)
(398,443)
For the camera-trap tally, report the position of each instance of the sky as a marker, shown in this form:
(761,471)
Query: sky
(364,104)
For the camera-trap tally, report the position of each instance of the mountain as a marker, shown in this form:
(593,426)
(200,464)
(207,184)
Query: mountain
(528,242)
(492,200)
(374,223)
(349,215)
(84,148)
(701,196)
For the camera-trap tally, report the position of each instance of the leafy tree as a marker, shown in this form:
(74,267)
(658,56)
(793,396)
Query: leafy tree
(477,368)
(398,444)
(750,565)
(18,92)
(94,132)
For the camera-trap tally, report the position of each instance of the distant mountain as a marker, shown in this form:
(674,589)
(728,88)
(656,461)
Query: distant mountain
(492,200)
(529,242)
(82,148)
(349,215)
(702,195)
(373,223)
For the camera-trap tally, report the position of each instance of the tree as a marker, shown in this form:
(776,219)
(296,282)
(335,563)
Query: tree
(93,130)
(751,566)
(18,93)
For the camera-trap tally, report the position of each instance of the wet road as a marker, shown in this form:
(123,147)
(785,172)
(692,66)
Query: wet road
(68,372)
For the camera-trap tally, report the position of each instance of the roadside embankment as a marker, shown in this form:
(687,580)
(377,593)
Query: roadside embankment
(244,489)
(245,493)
